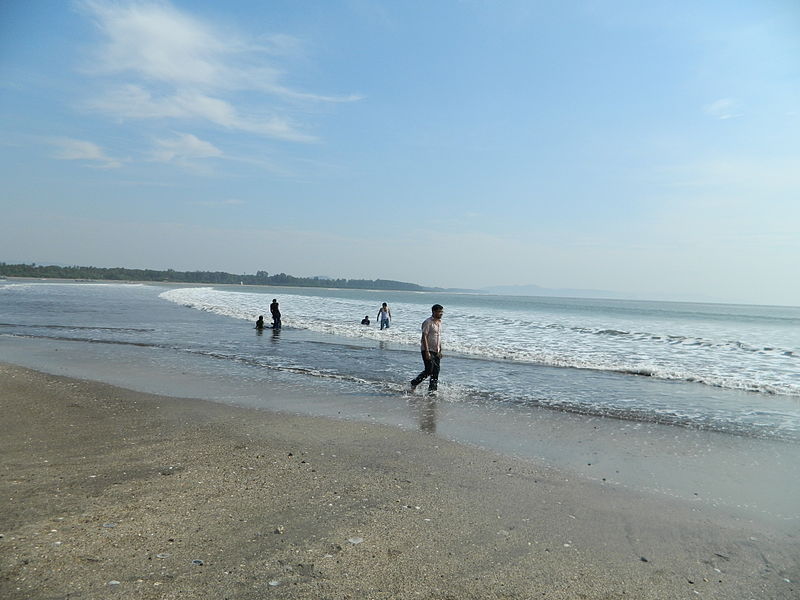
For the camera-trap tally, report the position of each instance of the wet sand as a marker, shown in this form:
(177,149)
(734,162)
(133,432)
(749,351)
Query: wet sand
(106,492)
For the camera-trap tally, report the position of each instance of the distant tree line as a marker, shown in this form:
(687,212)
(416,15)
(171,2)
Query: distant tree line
(217,277)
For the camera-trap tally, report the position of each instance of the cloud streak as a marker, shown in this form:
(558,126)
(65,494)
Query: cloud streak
(72,149)
(184,147)
(161,63)
(218,203)
(132,101)
(724,108)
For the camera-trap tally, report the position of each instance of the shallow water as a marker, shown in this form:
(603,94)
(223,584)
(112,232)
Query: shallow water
(732,369)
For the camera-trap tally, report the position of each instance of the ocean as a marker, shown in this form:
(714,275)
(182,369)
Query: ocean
(728,368)
(690,400)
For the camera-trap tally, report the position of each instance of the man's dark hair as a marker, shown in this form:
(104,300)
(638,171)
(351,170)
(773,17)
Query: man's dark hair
(436,307)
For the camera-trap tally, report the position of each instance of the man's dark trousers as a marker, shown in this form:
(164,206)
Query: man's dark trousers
(431,370)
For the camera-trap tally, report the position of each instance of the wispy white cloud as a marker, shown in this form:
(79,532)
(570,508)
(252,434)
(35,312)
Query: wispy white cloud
(135,102)
(223,202)
(745,175)
(184,147)
(165,63)
(72,149)
(724,108)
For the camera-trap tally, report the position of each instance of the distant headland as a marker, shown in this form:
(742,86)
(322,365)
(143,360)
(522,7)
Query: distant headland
(214,277)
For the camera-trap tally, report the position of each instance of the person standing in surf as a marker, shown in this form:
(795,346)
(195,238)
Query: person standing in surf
(260,322)
(276,314)
(384,316)
(431,347)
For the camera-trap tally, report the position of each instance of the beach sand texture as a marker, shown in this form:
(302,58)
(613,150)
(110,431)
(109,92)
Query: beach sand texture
(111,493)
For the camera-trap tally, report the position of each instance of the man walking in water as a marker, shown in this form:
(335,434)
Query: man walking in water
(431,346)
(384,315)
(276,314)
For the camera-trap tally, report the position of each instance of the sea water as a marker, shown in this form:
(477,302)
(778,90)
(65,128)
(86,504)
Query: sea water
(728,368)
(697,401)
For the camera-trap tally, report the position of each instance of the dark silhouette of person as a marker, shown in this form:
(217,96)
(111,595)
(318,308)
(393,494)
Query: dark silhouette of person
(260,322)
(276,314)
(365,320)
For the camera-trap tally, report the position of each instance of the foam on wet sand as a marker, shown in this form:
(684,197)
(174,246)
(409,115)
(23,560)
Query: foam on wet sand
(108,491)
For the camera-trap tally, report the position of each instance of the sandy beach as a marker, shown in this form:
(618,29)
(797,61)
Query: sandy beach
(106,492)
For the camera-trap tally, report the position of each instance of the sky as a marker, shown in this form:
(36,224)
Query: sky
(651,149)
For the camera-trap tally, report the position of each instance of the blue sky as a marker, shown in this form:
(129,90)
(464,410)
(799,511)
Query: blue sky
(647,148)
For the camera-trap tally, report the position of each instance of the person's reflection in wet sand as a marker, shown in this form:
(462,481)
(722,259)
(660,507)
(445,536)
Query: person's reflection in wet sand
(276,334)
(425,407)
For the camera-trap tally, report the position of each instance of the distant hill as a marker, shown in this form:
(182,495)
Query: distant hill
(215,277)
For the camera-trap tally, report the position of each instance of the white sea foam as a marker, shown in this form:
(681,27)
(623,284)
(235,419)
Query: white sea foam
(723,354)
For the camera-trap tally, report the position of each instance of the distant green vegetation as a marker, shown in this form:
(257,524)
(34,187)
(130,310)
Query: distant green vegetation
(217,277)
